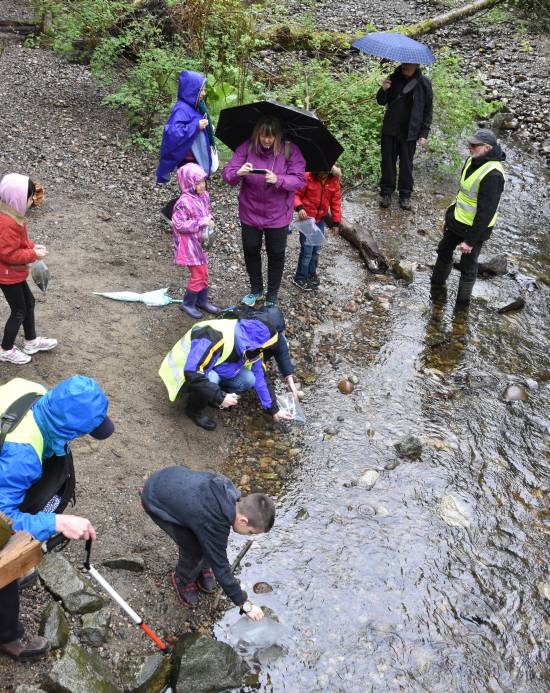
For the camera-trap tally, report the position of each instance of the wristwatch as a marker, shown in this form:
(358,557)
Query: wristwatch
(246,608)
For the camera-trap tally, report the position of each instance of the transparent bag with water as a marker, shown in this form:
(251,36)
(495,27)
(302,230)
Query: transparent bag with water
(290,403)
(310,231)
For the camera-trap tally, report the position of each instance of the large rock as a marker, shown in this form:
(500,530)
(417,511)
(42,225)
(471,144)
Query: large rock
(454,512)
(368,479)
(498,264)
(409,446)
(404,269)
(133,563)
(54,626)
(204,665)
(95,627)
(65,583)
(25,688)
(79,672)
(146,673)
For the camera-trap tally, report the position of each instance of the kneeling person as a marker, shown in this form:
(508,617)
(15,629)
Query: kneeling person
(198,510)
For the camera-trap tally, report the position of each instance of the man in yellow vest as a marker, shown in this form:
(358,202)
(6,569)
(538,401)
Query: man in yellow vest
(469,221)
(37,477)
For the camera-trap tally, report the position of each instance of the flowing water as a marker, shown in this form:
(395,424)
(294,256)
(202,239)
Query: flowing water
(377,591)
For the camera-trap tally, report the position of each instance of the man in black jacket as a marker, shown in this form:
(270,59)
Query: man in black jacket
(469,221)
(407,120)
(198,509)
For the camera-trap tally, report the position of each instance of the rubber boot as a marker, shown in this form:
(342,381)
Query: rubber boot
(202,302)
(441,273)
(188,304)
(463,295)
(200,419)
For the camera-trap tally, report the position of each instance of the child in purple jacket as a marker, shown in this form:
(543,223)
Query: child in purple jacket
(269,171)
(190,219)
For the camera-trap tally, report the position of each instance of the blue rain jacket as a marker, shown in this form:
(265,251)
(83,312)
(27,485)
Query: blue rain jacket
(182,128)
(71,409)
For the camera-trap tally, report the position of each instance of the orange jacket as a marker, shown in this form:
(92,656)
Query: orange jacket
(16,249)
(318,196)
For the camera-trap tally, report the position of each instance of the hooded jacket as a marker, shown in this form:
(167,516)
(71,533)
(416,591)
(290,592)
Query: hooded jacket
(421,108)
(204,503)
(190,217)
(261,204)
(319,196)
(182,128)
(206,350)
(16,249)
(71,409)
(490,191)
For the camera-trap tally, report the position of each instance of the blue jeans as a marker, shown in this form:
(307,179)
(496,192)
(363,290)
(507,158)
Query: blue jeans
(243,381)
(309,256)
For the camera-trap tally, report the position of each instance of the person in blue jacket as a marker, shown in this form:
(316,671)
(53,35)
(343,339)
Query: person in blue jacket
(188,135)
(37,478)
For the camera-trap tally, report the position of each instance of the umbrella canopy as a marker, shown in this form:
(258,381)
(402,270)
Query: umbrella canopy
(319,147)
(394,46)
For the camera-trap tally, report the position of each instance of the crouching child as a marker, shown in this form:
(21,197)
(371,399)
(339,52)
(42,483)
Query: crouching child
(198,510)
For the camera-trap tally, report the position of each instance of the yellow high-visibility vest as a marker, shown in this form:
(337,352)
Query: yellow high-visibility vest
(172,368)
(466,200)
(27,431)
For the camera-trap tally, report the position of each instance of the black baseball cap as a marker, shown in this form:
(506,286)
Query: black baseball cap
(104,430)
(483,136)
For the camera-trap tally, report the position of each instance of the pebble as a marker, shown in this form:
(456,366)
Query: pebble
(345,386)
(515,393)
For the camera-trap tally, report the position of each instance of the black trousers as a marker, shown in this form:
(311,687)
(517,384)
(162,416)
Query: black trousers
(10,627)
(393,148)
(191,560)
(468,261)
(275,245)
(21,302)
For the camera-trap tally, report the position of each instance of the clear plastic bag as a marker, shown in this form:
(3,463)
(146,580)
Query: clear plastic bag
(208,237)
(290,403)
(40,274)
(310,231)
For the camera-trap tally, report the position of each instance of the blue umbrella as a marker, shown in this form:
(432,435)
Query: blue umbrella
(388,44)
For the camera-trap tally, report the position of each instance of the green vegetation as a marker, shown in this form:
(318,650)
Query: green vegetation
(137,48)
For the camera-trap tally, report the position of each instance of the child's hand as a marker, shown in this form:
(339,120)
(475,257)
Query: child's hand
(335,230)
(41,251)
(336,171)
(210,221)
(386,84)
(245,169)
(270,177)
(203,123)
(302,215)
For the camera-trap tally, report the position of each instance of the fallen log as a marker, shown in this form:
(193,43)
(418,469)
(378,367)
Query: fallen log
(428,25)
(365,243)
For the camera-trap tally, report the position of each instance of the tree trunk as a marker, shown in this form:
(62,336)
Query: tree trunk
(364,241)
(440,20)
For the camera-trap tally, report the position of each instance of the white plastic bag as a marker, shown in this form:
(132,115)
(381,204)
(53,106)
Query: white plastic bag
(310,231)
(159,297)
(215,160)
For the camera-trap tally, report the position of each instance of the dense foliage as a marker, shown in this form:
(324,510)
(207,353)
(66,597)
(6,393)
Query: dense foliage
(138,47)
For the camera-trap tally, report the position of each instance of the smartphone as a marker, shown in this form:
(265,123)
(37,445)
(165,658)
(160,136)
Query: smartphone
(258,170)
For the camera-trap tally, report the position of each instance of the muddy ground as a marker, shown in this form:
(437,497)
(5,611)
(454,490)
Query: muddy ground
(101,225)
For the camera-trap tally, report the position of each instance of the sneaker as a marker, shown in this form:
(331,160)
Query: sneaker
(14,356)
(25,649)
(250,299)
(302,284)
(270,304)
(405,203)
(385,201)
(206,581)
(39,344)
(188,594)
(314,281)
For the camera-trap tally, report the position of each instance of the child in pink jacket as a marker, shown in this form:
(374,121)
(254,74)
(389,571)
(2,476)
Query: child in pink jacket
(190,219)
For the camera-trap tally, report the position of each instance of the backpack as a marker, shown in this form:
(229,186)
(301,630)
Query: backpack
(58,477)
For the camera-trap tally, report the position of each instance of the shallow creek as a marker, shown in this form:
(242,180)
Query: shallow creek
(376,590)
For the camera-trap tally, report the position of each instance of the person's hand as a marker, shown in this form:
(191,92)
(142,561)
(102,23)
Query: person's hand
(282,415)
(302,215)
(245,169)
(422,141)
(291,386)
(465,248)
(255,614)
(336,171)
(74,527)
(41,251)
(335,229)
(270,177)
(230,400)
(203,123)
(386,84)
(210,222)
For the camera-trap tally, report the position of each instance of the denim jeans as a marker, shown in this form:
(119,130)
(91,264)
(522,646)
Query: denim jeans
(309,256)
(243,381)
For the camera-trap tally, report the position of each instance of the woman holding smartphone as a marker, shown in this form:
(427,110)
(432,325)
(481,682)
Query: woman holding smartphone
(269,171)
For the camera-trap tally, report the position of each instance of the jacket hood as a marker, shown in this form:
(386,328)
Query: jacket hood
(13,192)
(189,86)
(254,334)
(71,409)
(226,495)
(188,177)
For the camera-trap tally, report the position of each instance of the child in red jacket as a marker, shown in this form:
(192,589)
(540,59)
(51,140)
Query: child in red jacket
(320,195)
(16,252)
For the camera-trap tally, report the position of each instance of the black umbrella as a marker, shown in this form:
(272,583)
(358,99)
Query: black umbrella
(319,147)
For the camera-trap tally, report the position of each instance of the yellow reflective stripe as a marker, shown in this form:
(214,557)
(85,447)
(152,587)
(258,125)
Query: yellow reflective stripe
(210,355)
